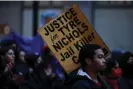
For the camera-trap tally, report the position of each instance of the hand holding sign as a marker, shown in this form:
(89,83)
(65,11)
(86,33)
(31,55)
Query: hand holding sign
(66,34)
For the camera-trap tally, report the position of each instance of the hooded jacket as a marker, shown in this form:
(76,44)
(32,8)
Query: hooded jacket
(83,81)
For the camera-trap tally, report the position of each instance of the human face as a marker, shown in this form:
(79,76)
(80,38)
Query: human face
(10,55)
(22,56)
(98,61)
(39,60)
(116,71)
(130,60)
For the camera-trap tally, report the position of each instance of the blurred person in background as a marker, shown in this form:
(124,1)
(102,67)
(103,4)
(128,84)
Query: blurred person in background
(8,55)
(52,78)
(21,56)
(32,60)
(21,69)
(113,76)
(126,63)
(49,57)
(21,63)
(33,80)
(27,73)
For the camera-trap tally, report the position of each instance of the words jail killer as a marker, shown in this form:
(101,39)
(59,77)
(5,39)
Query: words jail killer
(70,52)
(62,20)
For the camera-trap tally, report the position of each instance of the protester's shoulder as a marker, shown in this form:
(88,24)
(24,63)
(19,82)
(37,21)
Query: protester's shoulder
(79,77)
(126,82)
(125,79)
(79,82)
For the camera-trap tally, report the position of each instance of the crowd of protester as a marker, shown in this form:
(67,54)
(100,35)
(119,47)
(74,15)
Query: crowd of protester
(21,70)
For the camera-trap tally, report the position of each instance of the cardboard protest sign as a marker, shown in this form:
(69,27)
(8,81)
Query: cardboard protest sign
(4,29)
(66,34)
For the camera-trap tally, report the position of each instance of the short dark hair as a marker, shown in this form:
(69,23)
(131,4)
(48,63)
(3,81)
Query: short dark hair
(124,58)
(87,51)
(5,49)
(31,59)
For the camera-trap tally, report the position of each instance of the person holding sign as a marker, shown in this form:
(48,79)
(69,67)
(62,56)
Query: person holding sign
(91,57)
(66,34)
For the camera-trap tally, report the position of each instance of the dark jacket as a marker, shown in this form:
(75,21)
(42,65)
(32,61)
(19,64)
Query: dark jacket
(83,82)
(123,83)
(6,81)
